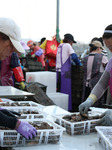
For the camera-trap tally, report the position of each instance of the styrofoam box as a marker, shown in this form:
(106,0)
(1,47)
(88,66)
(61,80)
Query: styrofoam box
(60,99)
(10,138)
(47,78)
(77,128)
(105,136)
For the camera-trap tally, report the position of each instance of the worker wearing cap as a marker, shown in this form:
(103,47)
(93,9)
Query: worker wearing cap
(94,65)
(9,43)
(37,52)
(65,54)
(87,51)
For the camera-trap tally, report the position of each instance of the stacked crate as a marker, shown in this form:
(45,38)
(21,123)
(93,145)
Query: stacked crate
(77,86)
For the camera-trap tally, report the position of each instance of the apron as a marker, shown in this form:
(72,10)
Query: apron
(110,82)
(66,79)
(6,72)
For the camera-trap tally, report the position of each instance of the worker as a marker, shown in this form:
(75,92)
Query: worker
(11,71)
(65,56)
(37,52)
(94,65)
(101,86)
(50,50)
(87,51)
(26,48)
(10,42)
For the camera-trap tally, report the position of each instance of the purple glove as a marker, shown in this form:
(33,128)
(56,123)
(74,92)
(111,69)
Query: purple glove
(25,129)
(39,52)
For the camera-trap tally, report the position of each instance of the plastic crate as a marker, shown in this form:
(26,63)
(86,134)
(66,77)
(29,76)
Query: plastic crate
(28,112)
(77,128)
(32,116)
(105,136)
(10,138)
(32,64)
(30,104)
(42,86)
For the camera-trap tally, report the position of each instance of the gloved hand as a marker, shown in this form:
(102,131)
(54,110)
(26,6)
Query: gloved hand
(39,52)
(22,85)
(84,107)
(9,112)
(106,119)
(33,55)
(27,130)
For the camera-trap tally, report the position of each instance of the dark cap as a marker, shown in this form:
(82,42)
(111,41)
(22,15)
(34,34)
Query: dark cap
(42,40)
(70,37)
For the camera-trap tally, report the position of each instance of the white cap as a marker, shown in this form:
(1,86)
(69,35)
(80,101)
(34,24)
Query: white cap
(97,44)
(11,29)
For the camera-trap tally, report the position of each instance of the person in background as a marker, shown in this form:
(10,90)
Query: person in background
(11,71)
(65,56)
(22,59)
(50,50)
(87,51)
(10,42)
(101,86)
(37,52)
(26,48)
(42,45)
(42,40)
(94,64)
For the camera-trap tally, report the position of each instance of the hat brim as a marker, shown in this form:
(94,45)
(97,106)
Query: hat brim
(102,47)
(26,47)
(74,42)
(17,45)
(29,44)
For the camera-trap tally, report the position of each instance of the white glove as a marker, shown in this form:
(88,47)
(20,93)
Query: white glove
(33,55)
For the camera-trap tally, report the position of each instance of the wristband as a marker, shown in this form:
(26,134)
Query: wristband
(93,97)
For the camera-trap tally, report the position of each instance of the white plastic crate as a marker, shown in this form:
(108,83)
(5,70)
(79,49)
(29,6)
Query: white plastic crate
(28,112)
(32,116)
(105,136)
(30,104)
(77,128)
(10,138)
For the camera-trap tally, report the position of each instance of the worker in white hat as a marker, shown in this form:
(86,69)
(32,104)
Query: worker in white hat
(9,38)
(10,42)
